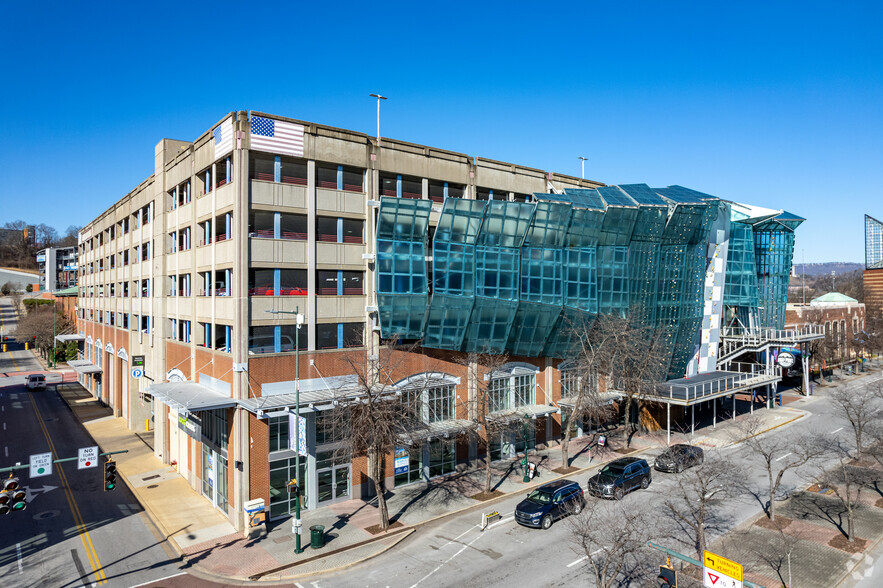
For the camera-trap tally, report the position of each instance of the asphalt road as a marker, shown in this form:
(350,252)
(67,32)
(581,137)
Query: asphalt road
(454,552)
(72,532)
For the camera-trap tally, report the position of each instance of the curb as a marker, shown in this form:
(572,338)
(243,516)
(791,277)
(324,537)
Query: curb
(155,521)
(409,529)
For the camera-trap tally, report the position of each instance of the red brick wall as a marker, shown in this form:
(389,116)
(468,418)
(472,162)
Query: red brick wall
(873,284)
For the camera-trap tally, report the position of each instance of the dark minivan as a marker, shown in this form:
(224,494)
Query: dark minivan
(550,502)
(619,477)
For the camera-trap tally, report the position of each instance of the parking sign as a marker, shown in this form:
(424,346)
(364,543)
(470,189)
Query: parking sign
(88,458)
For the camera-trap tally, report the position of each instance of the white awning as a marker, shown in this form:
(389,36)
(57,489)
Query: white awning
(189,396)
(602,399)
(84,366)
(532,411)
(448,429)
(68,338)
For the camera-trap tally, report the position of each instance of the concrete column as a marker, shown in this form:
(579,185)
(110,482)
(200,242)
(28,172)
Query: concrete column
(425,188)
(311,255)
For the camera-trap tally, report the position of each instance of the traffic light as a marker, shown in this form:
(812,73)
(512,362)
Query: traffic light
(13,496)
(110,475)
(293,488)
(668,577)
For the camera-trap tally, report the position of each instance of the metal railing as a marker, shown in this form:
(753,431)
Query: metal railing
(747,375)
(736,340)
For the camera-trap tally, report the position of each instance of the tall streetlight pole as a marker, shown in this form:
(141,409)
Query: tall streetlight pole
(297,480)
(582,161)
(379,98)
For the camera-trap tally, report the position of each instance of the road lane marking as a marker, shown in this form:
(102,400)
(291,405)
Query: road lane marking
(167,578)
(447,561)
(582,559)
(500,522)
(97,569)
(18,555)
(6,451)
(837,431)
(784,456)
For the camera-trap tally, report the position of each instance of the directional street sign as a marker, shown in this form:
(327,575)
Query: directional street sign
(720,572)
(41,465)
(88,457)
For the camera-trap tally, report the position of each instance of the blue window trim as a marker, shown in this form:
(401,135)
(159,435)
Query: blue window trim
(339,335)
(340,177)
(277,168)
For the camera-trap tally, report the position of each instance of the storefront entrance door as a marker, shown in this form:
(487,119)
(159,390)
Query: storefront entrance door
(333,484)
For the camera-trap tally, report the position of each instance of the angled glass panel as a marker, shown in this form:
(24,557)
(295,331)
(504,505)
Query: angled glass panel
(531,328)
(489,325)
(613,280)
(741,276)
(580,279)
(613,196)
(496,272)
(447,321)
(873,243)
(453,268)
(773,251)
(460,221)
(616,230)
(562,342)
(541,275)
(643,194)
(401,267)
(585,228)
(403,218)
(585,198)
(643,281)
(685,221)
(401,315)
(685,195)
(650,223)
(505,223)
(549,225)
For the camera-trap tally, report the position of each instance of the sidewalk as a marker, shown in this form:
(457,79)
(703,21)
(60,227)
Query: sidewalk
(211,546)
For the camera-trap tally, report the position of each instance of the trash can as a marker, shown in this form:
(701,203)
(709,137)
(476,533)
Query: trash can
(317,536)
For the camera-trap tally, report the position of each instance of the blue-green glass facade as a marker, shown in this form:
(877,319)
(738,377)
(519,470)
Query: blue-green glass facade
(517,277)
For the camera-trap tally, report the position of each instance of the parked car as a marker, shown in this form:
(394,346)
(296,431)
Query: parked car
(36,382)
(550,502)
(679,457)
(619,477)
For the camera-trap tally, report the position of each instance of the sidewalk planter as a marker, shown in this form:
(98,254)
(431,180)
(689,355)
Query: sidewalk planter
(317,536)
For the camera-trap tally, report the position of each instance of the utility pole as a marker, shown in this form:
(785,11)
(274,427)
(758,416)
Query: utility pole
(379,98)
(582,161)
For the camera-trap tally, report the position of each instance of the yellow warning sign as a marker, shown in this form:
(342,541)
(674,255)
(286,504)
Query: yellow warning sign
(723,565)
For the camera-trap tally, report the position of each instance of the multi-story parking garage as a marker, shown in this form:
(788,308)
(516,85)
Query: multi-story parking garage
(203,269)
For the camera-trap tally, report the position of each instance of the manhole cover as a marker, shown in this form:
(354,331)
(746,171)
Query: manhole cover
(153,486)
(46,514)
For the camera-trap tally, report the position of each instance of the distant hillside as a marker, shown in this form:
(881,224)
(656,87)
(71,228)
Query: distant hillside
(818,269)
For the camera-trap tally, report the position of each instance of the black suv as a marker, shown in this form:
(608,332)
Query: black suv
(550,502)
(678,458)
(620,477)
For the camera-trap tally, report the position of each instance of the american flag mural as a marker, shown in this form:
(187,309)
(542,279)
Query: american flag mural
(224,138)
(276,136)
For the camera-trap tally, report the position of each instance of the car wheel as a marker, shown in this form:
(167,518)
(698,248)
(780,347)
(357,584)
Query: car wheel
(617,494)
(679,468)
(546,522)
(578,508)
(701,459)
(645,482)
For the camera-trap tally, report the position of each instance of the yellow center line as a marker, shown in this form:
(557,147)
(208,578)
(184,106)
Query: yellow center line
(100,576)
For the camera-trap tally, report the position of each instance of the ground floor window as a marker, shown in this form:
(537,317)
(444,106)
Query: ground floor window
(415,465)
(281,471)
(442,457)
(214,477)
(512,441)
(332,476)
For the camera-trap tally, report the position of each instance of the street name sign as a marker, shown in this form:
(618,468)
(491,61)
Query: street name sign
(87,458)
(720,572)
(41,465)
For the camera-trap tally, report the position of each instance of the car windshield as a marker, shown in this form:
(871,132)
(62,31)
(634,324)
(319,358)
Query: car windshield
(613,469)
(540,497)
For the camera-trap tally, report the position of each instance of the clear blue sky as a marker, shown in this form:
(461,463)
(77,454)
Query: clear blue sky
(770,103)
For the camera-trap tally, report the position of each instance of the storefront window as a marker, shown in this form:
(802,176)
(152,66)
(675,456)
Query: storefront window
(415,467)
(442,457)
(281,471)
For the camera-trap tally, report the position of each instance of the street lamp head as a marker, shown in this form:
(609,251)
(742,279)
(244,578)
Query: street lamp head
(378,96)
(583,158)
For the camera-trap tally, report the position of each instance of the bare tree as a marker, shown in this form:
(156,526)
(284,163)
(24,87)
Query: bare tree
(635,362)
(592,355)
(483,403)
(778,453)
(847,482)
(40,325)
(46,236)
(71,236)
(614,538)
(861,408)
(379,417)
(694,504)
